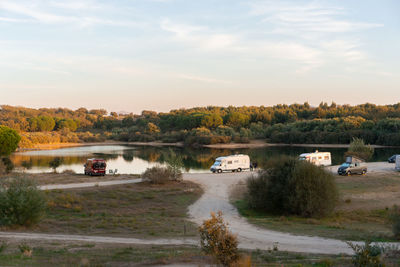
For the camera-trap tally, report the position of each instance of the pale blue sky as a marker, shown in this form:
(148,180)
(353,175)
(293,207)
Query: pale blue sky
(131,55)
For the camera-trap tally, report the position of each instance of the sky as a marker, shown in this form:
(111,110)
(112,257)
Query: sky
(134,55)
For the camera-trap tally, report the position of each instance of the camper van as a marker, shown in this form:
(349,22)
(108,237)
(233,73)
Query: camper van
(95,167)
(231,163)
(317,158)
(398,163)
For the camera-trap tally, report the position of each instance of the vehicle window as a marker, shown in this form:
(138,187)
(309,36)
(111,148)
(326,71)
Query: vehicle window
(326,157)
(236,161)
(319,157)
(230,162)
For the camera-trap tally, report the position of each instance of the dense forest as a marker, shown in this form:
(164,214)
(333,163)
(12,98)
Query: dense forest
(296,123)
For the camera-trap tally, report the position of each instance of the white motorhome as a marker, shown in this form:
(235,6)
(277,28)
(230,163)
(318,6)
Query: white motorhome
(232,163)
(398,163)
(317,158)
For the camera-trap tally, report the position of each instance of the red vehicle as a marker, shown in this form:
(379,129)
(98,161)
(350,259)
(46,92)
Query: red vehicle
(95,167)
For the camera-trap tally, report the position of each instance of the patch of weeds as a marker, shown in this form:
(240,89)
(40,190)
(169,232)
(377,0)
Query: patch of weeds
(3,246)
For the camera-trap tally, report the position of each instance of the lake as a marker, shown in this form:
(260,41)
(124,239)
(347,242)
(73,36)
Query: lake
(135,159)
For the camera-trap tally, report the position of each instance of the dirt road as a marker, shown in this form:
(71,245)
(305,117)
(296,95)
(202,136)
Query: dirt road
(216,198)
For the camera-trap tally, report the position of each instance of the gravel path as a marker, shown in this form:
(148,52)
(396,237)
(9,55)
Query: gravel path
(216,198)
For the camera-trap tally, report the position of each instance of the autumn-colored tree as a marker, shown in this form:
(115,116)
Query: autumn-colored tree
(218,241)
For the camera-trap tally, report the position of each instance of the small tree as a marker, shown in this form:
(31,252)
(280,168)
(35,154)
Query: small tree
(55,163)
(21,202)
(218,241)
(359,149)
(175,163)
(366,255)
(9,140)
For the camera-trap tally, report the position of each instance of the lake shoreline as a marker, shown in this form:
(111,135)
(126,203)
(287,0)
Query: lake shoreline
(252,144)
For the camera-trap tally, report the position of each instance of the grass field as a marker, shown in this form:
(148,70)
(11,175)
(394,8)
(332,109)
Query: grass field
(89,254)
(362,212)
(138,210)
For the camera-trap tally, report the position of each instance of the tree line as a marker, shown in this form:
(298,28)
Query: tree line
(296,123)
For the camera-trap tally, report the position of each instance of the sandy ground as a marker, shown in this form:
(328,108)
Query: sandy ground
(251,144)
(216,198)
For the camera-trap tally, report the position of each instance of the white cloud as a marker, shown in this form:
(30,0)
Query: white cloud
(42,13)
(309,18)
(200,37)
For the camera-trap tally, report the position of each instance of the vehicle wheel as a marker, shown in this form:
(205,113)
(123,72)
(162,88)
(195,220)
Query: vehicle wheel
(364,172)
(239,170)
(233,170)
(348,173)
(90,173)
(213,171)
(219,171)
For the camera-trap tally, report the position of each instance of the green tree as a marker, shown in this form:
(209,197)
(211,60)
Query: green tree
(212,121)
(55,163)
(237,120)
(9,140)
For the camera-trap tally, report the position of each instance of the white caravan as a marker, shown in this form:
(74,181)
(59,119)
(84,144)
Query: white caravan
(231,163)
(398,163)
(317,158)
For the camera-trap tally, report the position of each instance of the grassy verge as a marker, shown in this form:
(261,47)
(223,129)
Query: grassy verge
(139,210)
(72,254)
(355,225)
(362,212)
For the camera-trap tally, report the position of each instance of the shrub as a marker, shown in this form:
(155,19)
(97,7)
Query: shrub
(290,186)
(159,175)
(175,164)
(6,165)
(21,202)
(366,255)
(218,241)
(395,219)
(359,149)
(55,163)
(9,139)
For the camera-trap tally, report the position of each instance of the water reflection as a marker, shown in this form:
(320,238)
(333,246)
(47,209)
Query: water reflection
(128,159)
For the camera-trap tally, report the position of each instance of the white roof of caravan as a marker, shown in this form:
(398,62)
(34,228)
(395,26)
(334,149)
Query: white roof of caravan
(312,153)
(221,158)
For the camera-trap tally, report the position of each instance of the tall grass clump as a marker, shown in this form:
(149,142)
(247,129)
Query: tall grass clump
(21,202)
(288,186)
(359,149)
(395,220)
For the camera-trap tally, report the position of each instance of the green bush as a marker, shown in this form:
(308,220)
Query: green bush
(290,186)
(21,202)
(359,149)
(367,255)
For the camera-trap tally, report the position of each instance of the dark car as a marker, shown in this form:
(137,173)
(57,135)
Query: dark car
(392,159)
(352,168)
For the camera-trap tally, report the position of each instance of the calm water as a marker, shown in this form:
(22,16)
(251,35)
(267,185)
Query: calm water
(135,160)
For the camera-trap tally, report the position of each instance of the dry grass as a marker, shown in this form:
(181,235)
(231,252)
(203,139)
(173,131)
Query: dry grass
(140,210)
